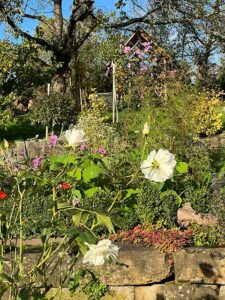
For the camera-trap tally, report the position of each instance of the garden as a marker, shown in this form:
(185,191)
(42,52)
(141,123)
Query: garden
(112,150)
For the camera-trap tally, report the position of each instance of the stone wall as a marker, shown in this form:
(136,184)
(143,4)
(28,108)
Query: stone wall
(143,273)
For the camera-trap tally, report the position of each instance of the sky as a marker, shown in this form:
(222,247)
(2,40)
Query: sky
(29,25)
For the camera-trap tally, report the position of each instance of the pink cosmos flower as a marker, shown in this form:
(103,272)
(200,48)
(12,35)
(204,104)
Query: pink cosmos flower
(53,139)
(37,162)
(102,151)
(126,50)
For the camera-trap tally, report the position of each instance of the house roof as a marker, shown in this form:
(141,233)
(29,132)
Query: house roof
(138,36)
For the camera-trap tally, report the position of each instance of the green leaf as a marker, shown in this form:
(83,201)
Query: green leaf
(179,201)
(64,159)
(63,206)
(90,192)
(78,174)
(6,277)
(74,280)
(77,217)
(182,167)
(106,221)
(85,236)
(131,192)
(75,173)
(23,294)
(77,194)
(91,172)
(80,217)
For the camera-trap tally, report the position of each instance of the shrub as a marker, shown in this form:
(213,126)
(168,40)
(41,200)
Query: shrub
(97,131)
(155,207)
(207,118)
(53,109)
(206,235)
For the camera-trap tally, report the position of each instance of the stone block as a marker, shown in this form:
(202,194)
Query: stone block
(115,293)
(177,292)
(200,265)
(222,293)
(136,265)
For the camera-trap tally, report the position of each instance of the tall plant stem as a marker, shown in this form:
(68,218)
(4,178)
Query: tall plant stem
(21,196)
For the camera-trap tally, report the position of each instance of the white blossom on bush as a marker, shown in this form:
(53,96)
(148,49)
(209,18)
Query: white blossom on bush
(159,166)
(75,137)
(101,253)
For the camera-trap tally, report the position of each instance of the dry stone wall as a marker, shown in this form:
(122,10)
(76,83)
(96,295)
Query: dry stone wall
(143,273)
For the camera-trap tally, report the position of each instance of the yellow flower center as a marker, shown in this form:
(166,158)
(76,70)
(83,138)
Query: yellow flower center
(155,165)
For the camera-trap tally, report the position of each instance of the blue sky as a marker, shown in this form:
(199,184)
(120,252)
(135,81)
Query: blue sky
(29,25)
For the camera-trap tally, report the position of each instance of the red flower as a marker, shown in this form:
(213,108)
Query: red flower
(66,186)
(2,195)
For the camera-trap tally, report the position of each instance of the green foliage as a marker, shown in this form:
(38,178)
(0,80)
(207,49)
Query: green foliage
(155,207)
(36,216)
(20,128)
(94,289)
(98,132)
(206,235)
(53,109)
(97,52)
(20,74)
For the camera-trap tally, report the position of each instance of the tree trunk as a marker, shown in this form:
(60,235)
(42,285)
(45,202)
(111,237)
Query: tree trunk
(58,19)
(75,81)
(59,83)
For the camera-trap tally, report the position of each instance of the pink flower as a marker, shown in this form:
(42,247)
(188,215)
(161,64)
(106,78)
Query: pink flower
(53,139)
(129,66)
(126,50)
(82,147)
(143,69)
(147,44)
(147,49)
(139,53)
(37,162)
(102,151)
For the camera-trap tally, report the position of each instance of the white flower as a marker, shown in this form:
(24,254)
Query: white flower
(102,252)
(159,166)
(75,137)
(145,130)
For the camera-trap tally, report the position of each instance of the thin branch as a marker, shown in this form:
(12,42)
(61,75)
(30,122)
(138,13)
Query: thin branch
(27,36)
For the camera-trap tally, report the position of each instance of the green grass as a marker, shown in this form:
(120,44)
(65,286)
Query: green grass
(21,129)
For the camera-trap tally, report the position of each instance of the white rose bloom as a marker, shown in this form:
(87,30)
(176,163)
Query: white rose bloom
(75,137)
(159,166)
(102,252)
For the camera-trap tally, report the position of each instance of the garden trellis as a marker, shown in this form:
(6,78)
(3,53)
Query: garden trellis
(143,58)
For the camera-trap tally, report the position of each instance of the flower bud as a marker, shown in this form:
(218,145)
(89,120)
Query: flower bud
(145,130)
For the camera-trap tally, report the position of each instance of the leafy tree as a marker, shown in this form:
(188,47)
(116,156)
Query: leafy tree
(21,73)
(204,17)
